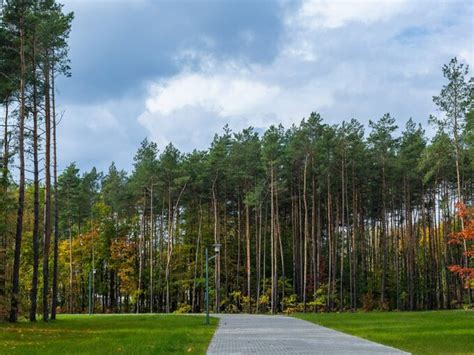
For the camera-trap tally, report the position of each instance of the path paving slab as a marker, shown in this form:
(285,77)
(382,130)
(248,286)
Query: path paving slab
(259,334)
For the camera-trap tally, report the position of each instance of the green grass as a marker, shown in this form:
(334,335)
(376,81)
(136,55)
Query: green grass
(436,332)
(109,334)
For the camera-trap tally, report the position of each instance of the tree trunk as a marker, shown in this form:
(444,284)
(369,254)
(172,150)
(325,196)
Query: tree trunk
(258,217)
(21,187)
(152,246)
(216,241)
(47,197)
(305,234)
(36,214)
(247,239)
(198,244)
(274,283)
(4,223)
(71,293)
(54,303)
(343,233)
(384,239)
(313,236)
(141,247)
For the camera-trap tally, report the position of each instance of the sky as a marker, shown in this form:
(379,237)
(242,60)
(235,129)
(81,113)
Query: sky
(178,71)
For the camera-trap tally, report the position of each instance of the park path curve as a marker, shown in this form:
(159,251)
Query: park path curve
(259,334)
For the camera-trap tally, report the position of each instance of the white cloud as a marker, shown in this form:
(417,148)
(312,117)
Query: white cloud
(226,94)
(190,107)
(342,58)
(332,14)
(107,132)
(334,57)
(467,54)
(92,2)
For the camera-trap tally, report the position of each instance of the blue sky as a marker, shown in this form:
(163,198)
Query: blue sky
(178,71)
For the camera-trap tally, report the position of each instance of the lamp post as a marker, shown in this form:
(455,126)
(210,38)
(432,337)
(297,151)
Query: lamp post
(217,249)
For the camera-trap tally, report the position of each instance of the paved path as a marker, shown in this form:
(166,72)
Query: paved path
(257,334)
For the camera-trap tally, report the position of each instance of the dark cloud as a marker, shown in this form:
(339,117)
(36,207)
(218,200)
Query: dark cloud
(178,71)
(117,45)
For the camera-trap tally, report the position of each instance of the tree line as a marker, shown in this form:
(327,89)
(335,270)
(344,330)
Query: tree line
(33,40)
(314,217)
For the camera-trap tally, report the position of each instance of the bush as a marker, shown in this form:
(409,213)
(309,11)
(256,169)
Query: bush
(232,303)
(384,306)
(231,308)
(320,300)
(247,303)
(368,302)
(290,304)
(183,308)
(263,303)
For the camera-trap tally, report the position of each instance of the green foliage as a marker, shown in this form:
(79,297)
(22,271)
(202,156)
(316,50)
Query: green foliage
(264,303)
(237,302)
(360,218)
(455,98)
(291,304)
(183,308)
(319,302)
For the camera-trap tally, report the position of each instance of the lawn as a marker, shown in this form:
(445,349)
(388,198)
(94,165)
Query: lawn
(109,334)
(436,332)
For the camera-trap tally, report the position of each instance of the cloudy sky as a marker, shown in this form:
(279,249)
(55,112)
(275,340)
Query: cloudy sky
(178,71)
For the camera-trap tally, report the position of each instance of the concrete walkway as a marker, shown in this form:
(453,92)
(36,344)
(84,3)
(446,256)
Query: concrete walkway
(257,334)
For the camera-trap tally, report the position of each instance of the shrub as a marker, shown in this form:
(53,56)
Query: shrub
(263,303)
(368,302)
(183,308)
(320,300)
(231,308)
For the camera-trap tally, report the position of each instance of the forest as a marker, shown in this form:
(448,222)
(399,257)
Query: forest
(310,218)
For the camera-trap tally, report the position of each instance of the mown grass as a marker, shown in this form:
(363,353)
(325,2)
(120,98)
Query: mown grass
(109,334)
(436,332)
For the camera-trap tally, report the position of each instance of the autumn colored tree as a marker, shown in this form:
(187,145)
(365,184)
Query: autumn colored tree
(465,237)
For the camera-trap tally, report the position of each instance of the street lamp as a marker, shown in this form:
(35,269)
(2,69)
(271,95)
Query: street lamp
(217,249)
